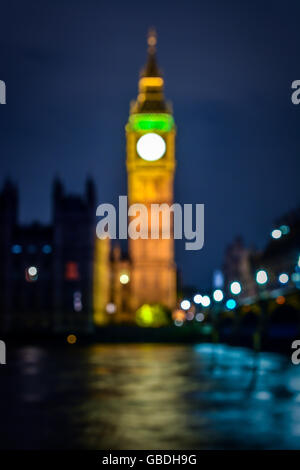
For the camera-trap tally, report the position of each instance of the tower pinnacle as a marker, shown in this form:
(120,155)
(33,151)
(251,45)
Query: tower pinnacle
(151,95)
(152,40)
(151,68)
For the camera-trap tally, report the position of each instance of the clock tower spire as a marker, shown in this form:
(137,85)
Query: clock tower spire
(150,137)
(151,68)
(151,84)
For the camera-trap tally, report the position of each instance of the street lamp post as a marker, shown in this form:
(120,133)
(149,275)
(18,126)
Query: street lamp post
(261,280)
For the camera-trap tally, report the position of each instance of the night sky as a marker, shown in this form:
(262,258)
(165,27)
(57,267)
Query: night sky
(71,69)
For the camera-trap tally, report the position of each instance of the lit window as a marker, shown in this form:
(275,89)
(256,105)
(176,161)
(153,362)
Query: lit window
(47,249)
(110,308)
(77,302)
(218,279)
(31,274)
(16,249)
(71,272)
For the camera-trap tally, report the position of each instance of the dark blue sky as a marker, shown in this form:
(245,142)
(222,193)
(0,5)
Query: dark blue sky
(71,69)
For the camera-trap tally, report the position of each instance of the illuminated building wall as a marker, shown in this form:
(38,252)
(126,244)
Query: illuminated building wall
(120,287)
(150,134)
(101,282)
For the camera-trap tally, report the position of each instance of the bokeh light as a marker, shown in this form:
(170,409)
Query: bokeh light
(190,315)
(276,233)
(283,278)
(218,295)
(280,300)
(261,277)
(205,301)
(151,316)
(124,278)
(178,315)
(235,288)
(200,317)
(185,304)
(285,229)
(197,299)
(71,339)
(16,249)
(230,304)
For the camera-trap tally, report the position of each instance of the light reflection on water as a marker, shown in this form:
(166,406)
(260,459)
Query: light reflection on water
(149,397)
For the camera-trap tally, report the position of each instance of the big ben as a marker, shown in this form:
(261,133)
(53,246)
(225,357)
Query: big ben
(150,137)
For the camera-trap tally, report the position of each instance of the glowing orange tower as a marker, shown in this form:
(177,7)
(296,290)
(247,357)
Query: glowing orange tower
(150,134)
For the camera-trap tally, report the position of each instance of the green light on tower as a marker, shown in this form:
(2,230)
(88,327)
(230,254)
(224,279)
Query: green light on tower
(148,122)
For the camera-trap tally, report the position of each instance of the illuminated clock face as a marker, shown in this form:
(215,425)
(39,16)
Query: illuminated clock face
(151,147)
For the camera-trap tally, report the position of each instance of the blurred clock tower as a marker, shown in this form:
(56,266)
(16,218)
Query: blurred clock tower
(150,136)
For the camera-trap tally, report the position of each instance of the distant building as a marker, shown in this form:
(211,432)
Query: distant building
(47,270)
(238,267)
(280,257)
(112,273)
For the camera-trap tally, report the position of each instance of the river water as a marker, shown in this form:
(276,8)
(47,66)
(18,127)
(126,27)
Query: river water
(148,397)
